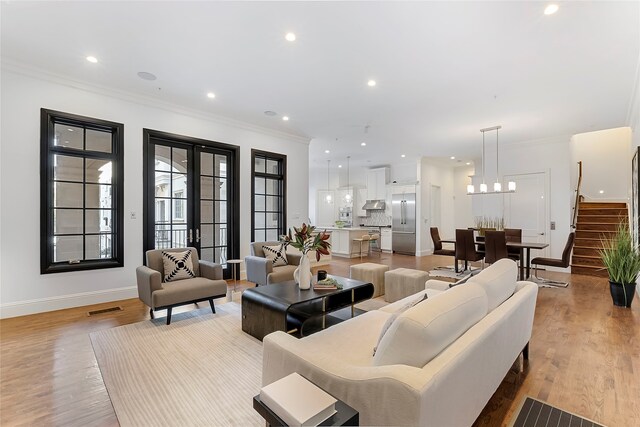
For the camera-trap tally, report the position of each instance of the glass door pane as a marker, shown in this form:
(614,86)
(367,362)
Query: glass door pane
(171,194)
(213,238)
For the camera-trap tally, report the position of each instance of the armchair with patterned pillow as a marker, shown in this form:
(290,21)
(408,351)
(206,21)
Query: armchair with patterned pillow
(176,276)
(270,263)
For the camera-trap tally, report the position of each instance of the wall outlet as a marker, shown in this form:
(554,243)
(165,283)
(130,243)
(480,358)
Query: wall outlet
(132,215)
(553,225)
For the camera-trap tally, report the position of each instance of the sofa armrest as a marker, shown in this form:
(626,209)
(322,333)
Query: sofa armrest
(210,270)
(258,268)
(439,285)
(149,281)
(293,259)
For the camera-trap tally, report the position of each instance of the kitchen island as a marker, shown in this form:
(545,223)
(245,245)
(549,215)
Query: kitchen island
(342,243)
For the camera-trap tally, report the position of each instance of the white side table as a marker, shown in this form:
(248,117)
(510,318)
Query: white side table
(233,263)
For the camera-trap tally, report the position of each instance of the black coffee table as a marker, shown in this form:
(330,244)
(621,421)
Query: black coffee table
(286,307)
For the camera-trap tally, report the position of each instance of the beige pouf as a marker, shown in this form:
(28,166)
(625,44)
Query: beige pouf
(370,272)
(402,282)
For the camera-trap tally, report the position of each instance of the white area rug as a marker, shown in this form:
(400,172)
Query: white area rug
(200,370)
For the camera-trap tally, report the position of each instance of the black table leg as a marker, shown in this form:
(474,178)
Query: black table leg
(521,263)
(528,264)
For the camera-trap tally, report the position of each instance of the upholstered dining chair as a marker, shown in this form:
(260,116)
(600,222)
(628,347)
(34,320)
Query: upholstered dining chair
(555,262)
(466,248)
(495,246)
(513,235)
(438,249)
(162,289)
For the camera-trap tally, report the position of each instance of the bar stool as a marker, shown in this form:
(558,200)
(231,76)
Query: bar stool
(374,238)
(364,238)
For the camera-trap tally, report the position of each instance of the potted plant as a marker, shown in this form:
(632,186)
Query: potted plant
(622,260)
(306,239)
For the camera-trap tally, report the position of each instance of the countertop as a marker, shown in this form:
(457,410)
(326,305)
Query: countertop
(365,228)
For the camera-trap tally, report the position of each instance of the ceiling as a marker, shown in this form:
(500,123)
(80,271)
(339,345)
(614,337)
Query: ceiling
(443,69)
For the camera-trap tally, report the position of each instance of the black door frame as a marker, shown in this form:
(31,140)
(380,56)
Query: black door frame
(148,203)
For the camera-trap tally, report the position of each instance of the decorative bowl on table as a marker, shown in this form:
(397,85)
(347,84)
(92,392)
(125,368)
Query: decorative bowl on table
(339,224)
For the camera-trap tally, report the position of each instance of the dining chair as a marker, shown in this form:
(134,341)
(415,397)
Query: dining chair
(513,235)
(466,248)
(495,246)
(438,249)
(554,262)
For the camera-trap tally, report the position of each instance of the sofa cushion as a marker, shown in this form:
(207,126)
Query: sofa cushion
(395,315)
(187,290)
(276,254)
(498,281)
(281,274)
(418,296)
(177,266)
(422,332)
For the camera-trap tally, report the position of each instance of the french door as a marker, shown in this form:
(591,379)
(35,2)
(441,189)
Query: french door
(191,196)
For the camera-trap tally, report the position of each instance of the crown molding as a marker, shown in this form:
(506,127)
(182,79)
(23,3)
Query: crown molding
(38,73)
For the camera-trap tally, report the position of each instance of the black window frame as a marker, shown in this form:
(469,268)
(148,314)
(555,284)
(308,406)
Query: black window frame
(282,177)
(48,120)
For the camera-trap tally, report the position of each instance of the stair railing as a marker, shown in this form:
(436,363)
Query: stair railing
(578,196)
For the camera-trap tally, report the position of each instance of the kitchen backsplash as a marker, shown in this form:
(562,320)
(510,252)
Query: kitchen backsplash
(376,219)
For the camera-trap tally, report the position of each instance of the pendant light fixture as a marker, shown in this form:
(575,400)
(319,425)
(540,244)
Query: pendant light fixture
(348,198)
(328,198)
(497,186)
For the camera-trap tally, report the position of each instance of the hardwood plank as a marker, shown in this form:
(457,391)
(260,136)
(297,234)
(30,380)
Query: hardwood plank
(583,356)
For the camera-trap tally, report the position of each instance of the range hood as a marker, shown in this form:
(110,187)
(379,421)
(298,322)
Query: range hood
(374,205)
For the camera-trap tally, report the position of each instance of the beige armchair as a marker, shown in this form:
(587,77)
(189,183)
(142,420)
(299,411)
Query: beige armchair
(261,271)
(158,295)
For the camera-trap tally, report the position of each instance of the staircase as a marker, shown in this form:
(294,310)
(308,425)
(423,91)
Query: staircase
(596,221)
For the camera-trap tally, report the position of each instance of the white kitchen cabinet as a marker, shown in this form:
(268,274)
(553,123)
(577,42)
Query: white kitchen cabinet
(377,180)
(385,239)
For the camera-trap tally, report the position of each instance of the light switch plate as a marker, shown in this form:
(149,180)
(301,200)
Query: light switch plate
(553,225)
(132,215)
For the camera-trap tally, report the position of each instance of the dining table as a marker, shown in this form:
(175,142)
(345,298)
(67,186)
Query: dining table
(525,253)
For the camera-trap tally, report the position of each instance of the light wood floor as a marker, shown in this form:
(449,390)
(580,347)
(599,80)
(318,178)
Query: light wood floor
(584,357)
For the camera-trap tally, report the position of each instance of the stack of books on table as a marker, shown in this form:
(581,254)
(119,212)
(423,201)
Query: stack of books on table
(323,287)
(297,401)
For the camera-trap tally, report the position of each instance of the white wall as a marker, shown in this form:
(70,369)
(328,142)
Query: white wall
(463,209)
(432,173)
(549,155)
(22,289)
(606,165)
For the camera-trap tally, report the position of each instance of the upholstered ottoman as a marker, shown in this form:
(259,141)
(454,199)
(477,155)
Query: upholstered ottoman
(402,282)
(370,272)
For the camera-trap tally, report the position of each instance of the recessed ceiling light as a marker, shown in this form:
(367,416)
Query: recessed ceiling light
(285,118)
(70,130)
(468,163)
(601,191)
(270,113)
(211,95)
(551,9)
(364,144)
(66,142)
(291,37)
(146,76)
(371,83)
(403,155)
(452,157)
(339,166)
(92,59)
(326,151)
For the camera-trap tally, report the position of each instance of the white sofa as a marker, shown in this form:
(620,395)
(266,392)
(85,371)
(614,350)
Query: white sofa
(438,364)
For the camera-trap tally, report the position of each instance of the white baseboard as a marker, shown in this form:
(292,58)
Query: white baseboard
(41,305)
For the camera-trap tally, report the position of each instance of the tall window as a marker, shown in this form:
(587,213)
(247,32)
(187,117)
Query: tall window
(268,203)
(81,193)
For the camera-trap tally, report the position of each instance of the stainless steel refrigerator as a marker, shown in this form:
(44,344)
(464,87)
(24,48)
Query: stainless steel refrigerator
(403,213)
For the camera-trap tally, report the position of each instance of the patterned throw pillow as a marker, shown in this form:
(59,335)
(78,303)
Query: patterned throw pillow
(277,255)
(177,266)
